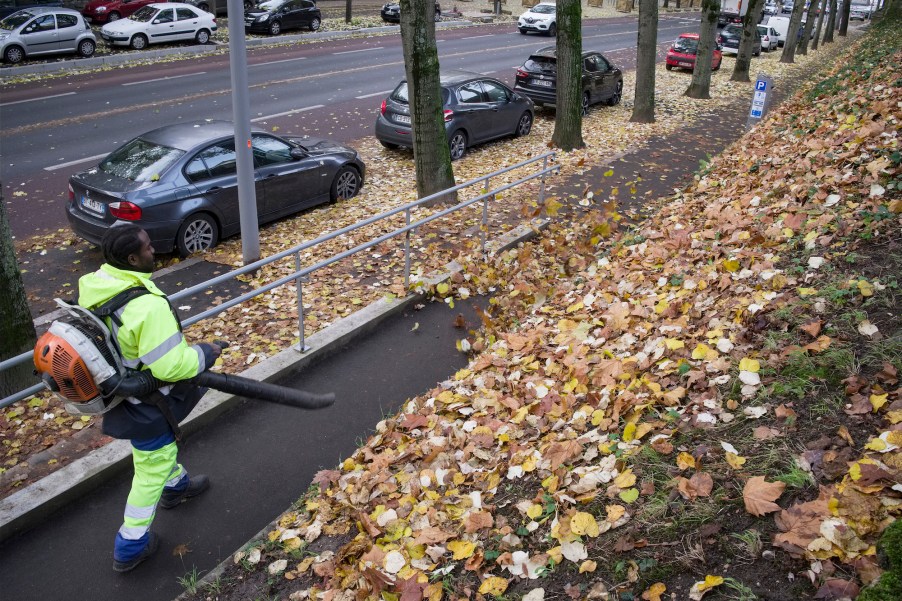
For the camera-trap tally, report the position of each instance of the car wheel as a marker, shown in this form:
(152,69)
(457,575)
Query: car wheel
(139,41)
(618,94)
(585,103)
(524,125)
(389,145)
(86,48)
(523,31)
(668,67)
(315,24)
(114,16)
(275,28)
(345,185)
(248,4)
(13,55)
(758,53)
(202,37)
(199,232)
(438,17)
(457,144)
(552,31)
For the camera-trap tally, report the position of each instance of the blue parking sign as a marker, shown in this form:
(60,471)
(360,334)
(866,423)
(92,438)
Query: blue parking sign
(761,85)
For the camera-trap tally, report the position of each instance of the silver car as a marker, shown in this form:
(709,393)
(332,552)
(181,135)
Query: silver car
(45,30)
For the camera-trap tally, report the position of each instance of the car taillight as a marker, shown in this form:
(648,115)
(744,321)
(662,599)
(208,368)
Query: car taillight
(382,110)
(449,114)
(126,210)
(71,194)
(522,73)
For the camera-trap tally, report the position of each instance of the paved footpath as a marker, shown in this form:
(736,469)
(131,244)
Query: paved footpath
(262,457)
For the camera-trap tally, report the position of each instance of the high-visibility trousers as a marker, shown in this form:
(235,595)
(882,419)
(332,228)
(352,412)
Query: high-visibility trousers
(155,470)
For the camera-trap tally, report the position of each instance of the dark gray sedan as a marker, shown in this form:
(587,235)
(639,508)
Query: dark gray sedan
(477,109)
(180,183)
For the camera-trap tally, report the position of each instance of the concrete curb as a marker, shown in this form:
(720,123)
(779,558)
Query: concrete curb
(27,507)
(80,64)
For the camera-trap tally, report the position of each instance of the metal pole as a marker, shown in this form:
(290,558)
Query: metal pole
(485,213)
(302,346)
(241,110)
(406,252)
(542,186)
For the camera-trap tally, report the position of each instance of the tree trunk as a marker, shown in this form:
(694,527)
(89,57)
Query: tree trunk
(646,53)
(831,23)
(749,33)
(17,333)
(431,155)
(844,18)
(568,118)
(806,31)
(700,87)
(792,33)
(820,24)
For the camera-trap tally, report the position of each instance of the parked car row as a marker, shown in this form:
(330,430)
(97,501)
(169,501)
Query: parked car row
(45,30)
(391,12)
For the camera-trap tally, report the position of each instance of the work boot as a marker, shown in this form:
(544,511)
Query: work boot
(196,485)
(126,566)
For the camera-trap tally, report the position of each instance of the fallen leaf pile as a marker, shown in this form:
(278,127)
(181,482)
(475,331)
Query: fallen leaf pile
(599,342)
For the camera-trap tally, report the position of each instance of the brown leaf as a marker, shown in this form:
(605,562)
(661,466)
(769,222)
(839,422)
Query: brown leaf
(431,536)
(784,412)
(412,421)
(560,453)
(759,495)
(813,327)
(699,485)
(459,321)
(326,477)
(835,589)
(410,589)
(801,524)
(181,550)
(765,432)
(477,520)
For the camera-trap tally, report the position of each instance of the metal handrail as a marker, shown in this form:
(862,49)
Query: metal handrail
(300,273)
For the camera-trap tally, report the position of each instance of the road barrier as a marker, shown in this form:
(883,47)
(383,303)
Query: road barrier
(544,165)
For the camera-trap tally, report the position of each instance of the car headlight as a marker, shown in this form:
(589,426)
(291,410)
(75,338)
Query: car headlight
(263,18)
(100,9)
(4,35)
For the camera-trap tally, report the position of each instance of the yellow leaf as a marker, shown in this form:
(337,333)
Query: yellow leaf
(493,585)
(702,351)
(654,592)
(807,291)
(534,511)
(625,479)
(685,460)
(642,430)
(731,265)
(615,512)
(584,523)
(749,365)
(866,288)
(875,445)
(735,460)
(550,483)
(629,432)
(552,206)
(443,288)
(878,400)
(894,417)
(855,472)
(710,582)
(587,566)
(556,553)
(674,344)
(609,173)
(461,548)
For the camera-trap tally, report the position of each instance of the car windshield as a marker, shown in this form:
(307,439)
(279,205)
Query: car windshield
(270,5)
(762,30)
(14,20)
(732,30)
(144,14)
(686,45)
(543,9)
(140,160)
(541,63)
(400,94)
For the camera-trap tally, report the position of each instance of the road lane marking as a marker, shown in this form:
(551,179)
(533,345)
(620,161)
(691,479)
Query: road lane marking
(361,50)
(35,99)
(70,163)
(137,83)
(287,60)
(473,37)
(291,112)
(373,94)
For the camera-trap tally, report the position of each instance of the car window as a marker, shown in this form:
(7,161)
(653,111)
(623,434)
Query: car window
(686,45)
(541,63)
(165,16)
(495,92)
(470,93)
(590,65)
(733,30)
(544,9)
(185,14)
(143,14)
(45,23)
(400,93)
(64,21)
(140,160)
(762,30)
(603,64)
(307,4)
(15,20)
(270,151)
(217,160)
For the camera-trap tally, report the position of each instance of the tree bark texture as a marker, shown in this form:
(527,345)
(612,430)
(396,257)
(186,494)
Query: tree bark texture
(646,53)
(568,118)
(792,34)
(820,24)
(806,31)
(700,86)
(431,155)
(831,23)
(844,17)
(747,42)
(17,333)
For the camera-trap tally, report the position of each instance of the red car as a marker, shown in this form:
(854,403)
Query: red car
(104,11)
(682,53)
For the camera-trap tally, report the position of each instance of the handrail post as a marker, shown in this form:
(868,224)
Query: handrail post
(485,213)
(407,252)
(542,185)
(302,346)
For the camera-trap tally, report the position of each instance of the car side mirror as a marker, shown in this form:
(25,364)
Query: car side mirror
(297,154)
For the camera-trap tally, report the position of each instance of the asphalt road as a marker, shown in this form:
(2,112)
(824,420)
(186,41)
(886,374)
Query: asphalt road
(56,127)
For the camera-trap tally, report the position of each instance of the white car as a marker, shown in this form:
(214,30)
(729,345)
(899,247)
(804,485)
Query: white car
(770,39)
(157,23)
(541,18)
(770,8)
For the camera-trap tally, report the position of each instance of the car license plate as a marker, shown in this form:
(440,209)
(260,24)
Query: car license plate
(542,82)
(686,64)
(402,119)
(92,205)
